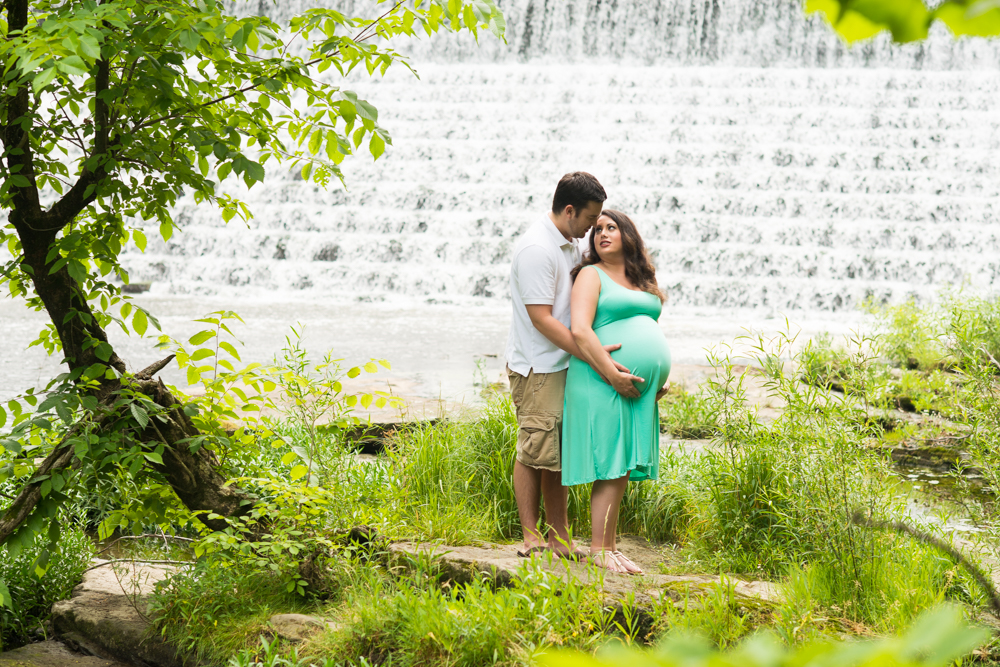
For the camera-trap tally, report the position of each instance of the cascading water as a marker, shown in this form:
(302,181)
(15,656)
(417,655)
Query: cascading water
(766,164)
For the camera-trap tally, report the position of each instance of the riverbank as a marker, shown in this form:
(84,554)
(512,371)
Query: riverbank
(777,466)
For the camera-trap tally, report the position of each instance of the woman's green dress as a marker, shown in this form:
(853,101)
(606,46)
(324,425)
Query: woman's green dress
(605,435)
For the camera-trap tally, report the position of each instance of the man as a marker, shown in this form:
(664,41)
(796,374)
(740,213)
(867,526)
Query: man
(538,352)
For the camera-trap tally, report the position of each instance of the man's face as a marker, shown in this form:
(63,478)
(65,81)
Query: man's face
(581,221)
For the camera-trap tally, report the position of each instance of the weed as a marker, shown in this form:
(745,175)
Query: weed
(686,415)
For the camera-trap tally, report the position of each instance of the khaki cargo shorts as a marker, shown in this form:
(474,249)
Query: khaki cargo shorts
(539,402)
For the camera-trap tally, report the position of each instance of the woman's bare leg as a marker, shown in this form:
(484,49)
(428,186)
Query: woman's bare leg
(605,500)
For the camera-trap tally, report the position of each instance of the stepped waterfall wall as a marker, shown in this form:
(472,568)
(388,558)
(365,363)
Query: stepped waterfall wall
(766,164)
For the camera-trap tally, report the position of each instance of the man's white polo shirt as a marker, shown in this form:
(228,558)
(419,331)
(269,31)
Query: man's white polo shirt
(539,274)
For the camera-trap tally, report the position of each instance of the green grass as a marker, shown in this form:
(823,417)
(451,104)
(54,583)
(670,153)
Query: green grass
(686,415)
(213,611)
(767,500)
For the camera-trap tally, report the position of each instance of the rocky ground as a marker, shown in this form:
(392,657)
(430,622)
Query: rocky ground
(104,624)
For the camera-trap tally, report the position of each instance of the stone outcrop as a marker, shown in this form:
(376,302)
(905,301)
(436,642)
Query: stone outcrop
(501,564)
(299,627)
(52,653)
(106,616)
(105,621)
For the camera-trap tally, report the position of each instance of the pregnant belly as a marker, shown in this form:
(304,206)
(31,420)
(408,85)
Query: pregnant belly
(643,350)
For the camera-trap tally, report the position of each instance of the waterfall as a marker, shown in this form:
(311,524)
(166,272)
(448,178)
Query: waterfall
(766,164)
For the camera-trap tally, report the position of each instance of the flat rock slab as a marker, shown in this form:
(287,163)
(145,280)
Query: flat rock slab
(106,615)
(299,627)
(52,654)
(501,563)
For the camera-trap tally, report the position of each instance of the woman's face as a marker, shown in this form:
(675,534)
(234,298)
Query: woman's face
(607,238)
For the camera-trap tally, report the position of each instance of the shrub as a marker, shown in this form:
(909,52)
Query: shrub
(32,596)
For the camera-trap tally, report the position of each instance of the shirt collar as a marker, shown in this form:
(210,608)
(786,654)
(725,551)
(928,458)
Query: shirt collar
(556,235)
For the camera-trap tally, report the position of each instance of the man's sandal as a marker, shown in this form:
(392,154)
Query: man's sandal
(531,552)
(627,563)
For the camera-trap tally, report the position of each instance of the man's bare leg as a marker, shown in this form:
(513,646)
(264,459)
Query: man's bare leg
(556,497)
(527,492)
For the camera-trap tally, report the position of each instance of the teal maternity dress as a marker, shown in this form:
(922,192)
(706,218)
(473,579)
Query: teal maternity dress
(604,434)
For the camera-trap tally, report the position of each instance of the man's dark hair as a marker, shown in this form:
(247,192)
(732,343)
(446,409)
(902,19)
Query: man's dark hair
(576,190)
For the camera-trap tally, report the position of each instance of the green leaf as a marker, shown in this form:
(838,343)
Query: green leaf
(43,79)
(140,414)
(289,457)
(140,322)
(225,345)
(253,170)
(298,472)
(367,111)
(153,457)
(354,372)
(139,239)
(166,229)
(385,363)
(366,400)
(377,146)
(72,65)
(201,337)
(371,367)
(5,599)
(203,353)
(316,141)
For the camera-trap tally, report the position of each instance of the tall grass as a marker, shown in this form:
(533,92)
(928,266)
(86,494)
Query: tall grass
(462,472)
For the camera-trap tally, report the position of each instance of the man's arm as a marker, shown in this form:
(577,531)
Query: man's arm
(543,320)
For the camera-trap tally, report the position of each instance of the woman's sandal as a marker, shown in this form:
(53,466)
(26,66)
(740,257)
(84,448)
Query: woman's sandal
(627,563)
(600,559)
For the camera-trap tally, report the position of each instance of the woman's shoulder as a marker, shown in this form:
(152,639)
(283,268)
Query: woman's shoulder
(589,278)
(591,269)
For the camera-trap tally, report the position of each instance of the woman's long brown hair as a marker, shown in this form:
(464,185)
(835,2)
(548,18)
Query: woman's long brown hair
(638,267)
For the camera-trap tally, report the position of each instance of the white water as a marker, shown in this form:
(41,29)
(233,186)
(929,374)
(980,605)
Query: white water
(775,188)
(767,166)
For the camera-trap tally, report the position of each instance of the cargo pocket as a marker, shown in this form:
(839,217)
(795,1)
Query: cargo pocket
(538,441)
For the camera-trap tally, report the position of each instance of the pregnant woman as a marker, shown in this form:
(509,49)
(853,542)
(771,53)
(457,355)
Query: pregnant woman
(611,432)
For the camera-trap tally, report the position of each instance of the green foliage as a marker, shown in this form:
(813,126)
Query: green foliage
(311,394)
(907,20)
(137,102)
(780,495)
(937,639)
(213,610)
(910,334)
(687,415)
(413,621)
(114,110)
(34,586)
